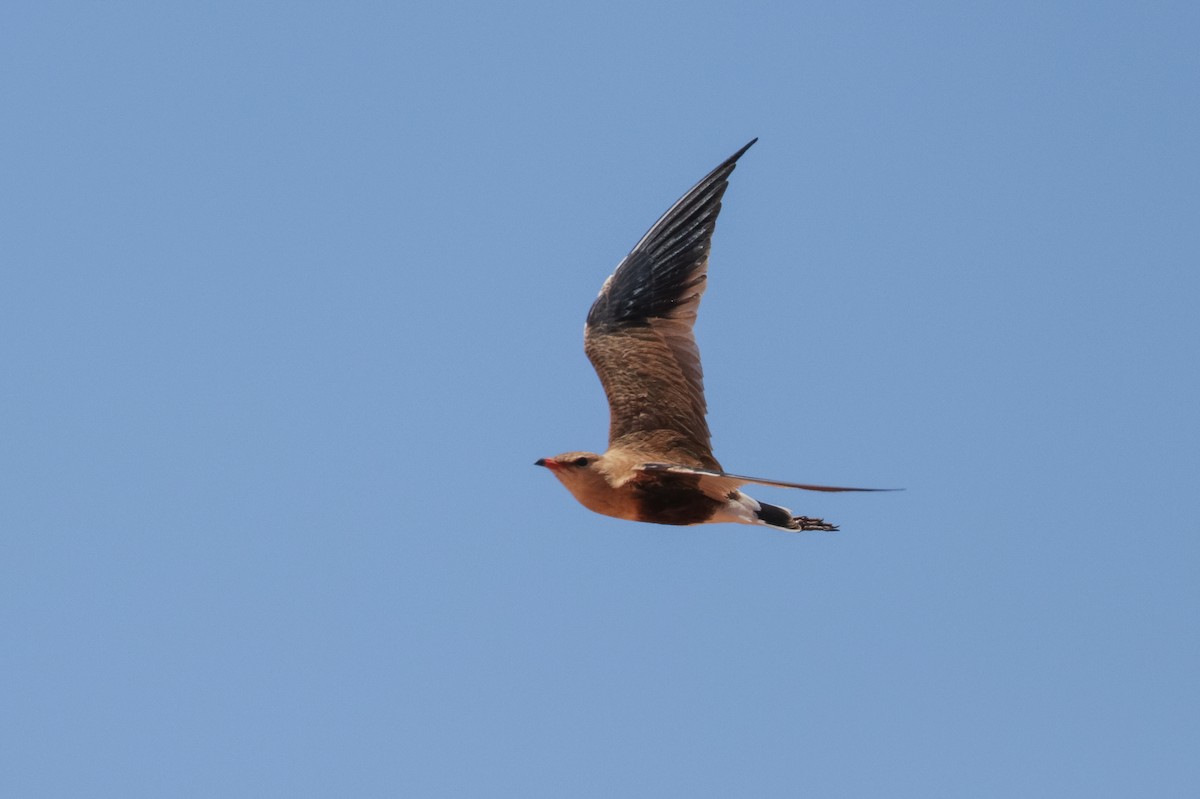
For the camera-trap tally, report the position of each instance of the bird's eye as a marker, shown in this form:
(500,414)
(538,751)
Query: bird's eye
(581,462)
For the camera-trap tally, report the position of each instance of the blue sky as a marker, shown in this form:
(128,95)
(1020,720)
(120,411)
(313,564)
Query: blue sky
(293,298)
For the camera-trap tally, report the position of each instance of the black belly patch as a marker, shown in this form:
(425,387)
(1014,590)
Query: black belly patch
(673,499)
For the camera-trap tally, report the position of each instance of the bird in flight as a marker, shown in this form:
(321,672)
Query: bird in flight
(659,466)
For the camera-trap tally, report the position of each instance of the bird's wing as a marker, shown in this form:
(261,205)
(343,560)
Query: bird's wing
(718,483)
(639,330)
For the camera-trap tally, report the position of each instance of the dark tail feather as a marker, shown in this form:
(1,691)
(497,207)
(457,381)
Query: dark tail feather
(783,518)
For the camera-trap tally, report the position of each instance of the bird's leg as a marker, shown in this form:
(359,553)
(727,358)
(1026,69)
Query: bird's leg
(809,523)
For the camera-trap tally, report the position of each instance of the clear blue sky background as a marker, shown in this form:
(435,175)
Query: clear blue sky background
(292,299)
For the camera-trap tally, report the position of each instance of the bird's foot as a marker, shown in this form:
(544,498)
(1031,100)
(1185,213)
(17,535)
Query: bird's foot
(808,523)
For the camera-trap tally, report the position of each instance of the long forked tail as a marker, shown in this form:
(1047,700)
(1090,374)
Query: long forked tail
(783,518)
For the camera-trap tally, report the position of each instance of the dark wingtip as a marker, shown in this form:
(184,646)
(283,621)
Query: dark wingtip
(733,158)
(839,488)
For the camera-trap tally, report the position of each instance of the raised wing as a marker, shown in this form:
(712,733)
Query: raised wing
(639,330)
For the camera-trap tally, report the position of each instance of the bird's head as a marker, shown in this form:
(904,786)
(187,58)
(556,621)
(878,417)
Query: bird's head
(568,463)
(586,476)
(575,470)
